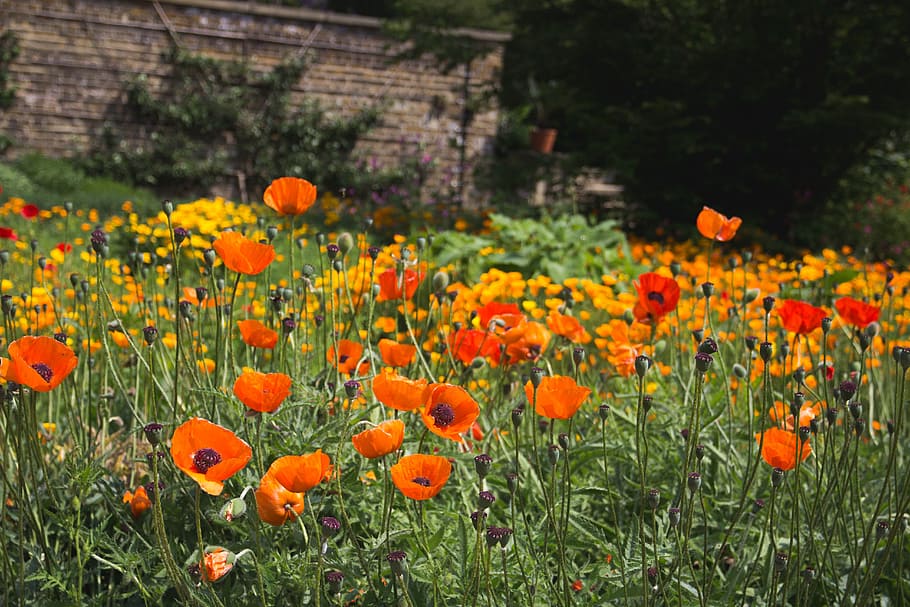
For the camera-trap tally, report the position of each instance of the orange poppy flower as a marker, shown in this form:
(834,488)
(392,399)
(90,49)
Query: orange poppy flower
(300,473)
(657,297)
(468,344)
(525,342)
(391,283)
(263,392)
(449,411)
(276,504)
(217,563)
(40,363)
(243,255)
(567,327)
(395,354)
(558,396)
(780,446)
(139,502)
(800,317)
(208,453)
(856,312)
(419,476)
(717,226)
(290,196)
(257,335)
(349,353)
(399,392)
(381,440)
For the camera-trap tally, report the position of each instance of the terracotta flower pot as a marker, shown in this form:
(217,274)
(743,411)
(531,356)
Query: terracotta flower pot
(542,140)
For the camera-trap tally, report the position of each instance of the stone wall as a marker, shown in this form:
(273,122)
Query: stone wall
(77,54)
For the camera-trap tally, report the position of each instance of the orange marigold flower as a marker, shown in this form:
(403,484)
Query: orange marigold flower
(568,327)
(800,317)
(391,284)
(290,196)
(395,354)
(420,477)
(208,453)
(449,411)
(139,502)
(657,297)
(40,363)
(275,503)
(856,312)
(257,335)
(399,392)
(241,254)
(300,473)
(263,392)
(717,226)
(381,440)
(347,357)
(468,344)
(217,563)
(558,396)
(779,448)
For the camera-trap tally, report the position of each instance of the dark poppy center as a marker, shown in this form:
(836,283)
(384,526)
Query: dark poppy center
(655,296)
(422,481)
(443,414)
(343,358)
(205,459)
(44,371)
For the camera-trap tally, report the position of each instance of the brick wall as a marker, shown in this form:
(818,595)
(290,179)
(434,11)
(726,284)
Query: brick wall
(77,54)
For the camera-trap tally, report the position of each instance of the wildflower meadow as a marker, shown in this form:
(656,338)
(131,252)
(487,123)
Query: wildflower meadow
(222,404)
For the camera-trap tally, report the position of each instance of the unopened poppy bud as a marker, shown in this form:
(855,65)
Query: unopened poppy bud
(440,280)
(345,242)
(333,580)
(859,426)
(517,414)
(780,562)
(703,362)
(485,499)
(642,364)
(707,288)
(330,527)
(482,465)
(553,454)
(739,371)
(351,388)
(398,561)
(673,516)
(578,355)
(232,509)
(536,376)
(777,477)
(766,350)
(153,432)
(694,481)
(653,498)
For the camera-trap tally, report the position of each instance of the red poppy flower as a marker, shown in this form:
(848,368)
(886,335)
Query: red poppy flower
(257,335)
(290,196)
(381,440)
(398,392)
(717,226)
(263,392)
(494,308)
(391,283)
(348,355)
(208,453)
(567,327)
(558,396)
(300,473)
(40,363)
(421,477)
(276,504)
(395,354)
(800,317)
(856,312)
(30,211)
(657,297)
(8,234)
(468,344)
(449,411)
(139,502)
(779,448)
(243,255)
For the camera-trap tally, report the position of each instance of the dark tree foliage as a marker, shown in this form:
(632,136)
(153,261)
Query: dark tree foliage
(758,108)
